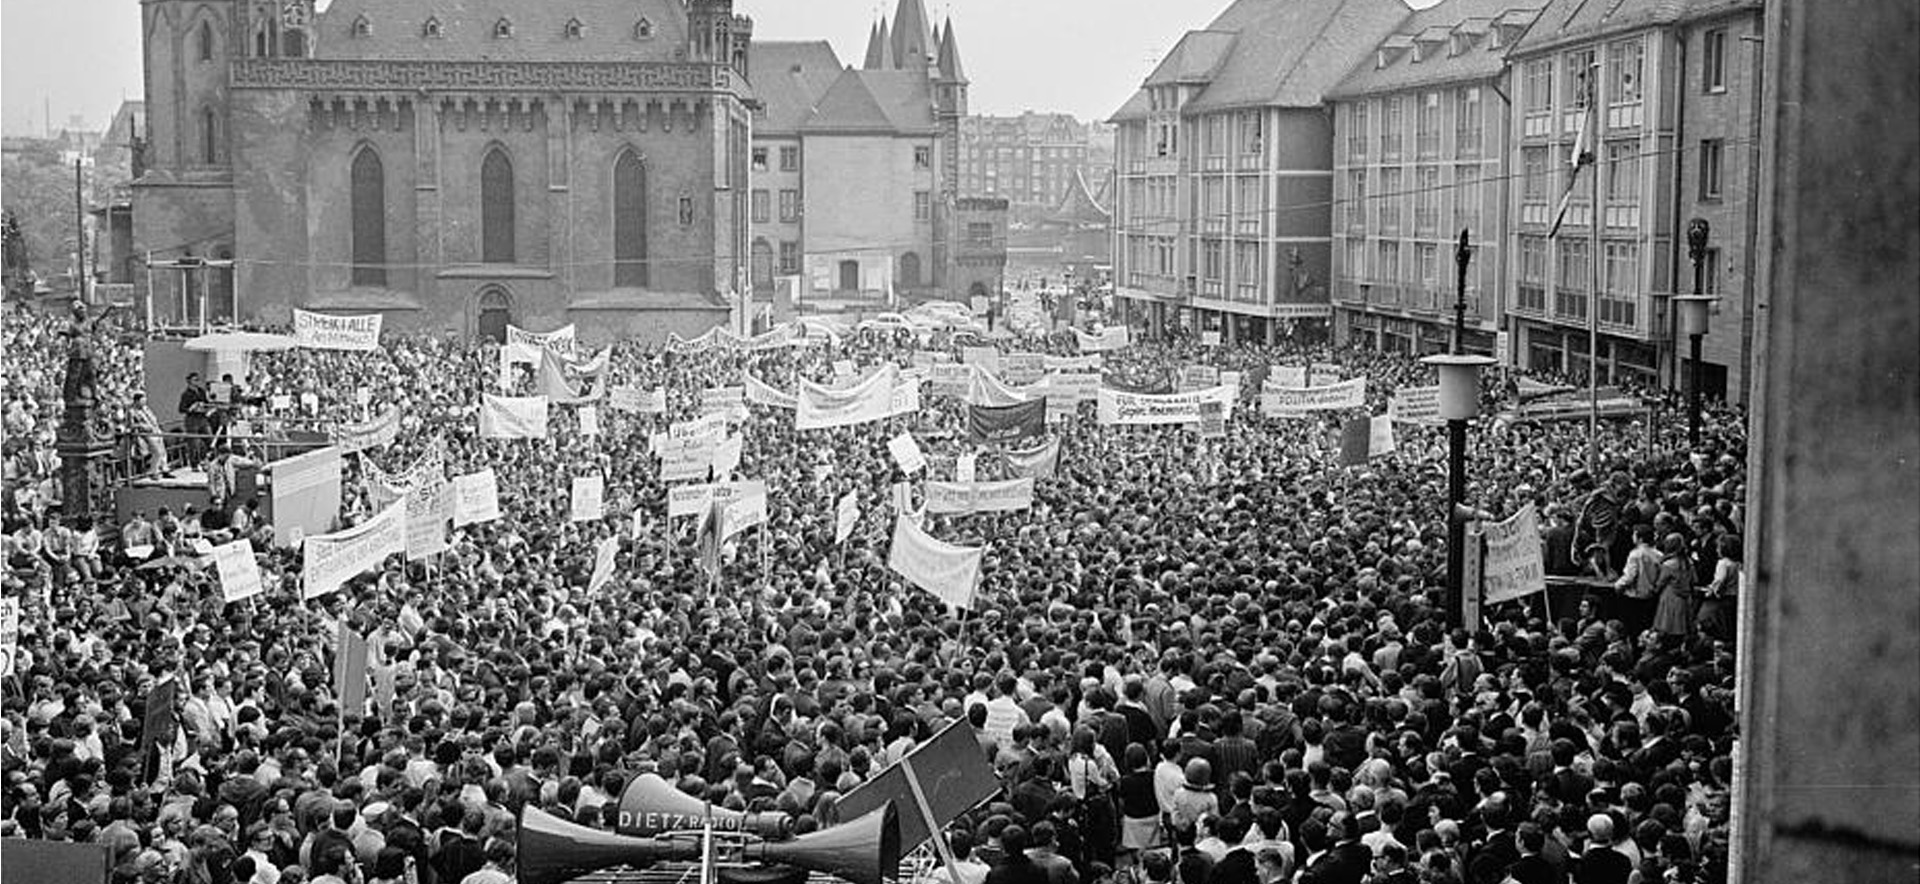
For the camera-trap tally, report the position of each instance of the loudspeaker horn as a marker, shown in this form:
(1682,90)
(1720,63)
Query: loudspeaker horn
(652,806)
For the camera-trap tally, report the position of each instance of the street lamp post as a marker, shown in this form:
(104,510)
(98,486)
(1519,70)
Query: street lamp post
(1462,256)
(1693,321)
(1459,403)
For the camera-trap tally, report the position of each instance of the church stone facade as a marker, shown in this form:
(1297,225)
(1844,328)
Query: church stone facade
(453,166)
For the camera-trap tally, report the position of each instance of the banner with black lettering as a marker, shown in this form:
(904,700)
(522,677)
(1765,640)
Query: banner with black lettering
(979,497)
(1006,424)
(380,431)
(321,331)
(1139,409)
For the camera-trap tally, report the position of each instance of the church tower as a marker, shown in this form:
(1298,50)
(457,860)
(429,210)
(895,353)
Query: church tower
(949,106)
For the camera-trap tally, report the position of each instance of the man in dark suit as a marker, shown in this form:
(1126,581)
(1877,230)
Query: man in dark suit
(1532,867)
(1348,861)
(1016,867)
(1600,863)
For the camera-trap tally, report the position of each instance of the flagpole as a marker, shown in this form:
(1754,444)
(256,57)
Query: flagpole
(1593,267)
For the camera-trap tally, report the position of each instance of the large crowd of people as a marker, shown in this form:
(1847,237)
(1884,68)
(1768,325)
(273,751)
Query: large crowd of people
(1230,660)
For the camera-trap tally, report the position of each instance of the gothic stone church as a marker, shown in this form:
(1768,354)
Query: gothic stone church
(453,164)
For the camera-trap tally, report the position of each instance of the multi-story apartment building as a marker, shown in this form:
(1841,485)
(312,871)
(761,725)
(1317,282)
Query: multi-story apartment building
(1667,94)
(1029,159)
(1224,167)
(1420,155)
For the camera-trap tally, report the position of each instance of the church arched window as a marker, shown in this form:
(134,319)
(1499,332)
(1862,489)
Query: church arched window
(368,194)
(630,221)
(496,207)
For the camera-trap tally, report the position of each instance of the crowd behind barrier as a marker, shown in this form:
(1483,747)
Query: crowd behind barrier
(1210,661)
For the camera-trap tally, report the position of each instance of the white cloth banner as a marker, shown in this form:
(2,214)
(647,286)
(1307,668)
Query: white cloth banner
(966,467)
(1090,362)
(589,498)
(979,497)
(1286,377)
(906,452)
(987,389)
(846,515)
(1332,397)
(711,338)
(950,379)
(1380,436)
(513,417)
(746,508)
(1513,565)
(637,400)
(320,331)
(375,433)
(950,572)
(560,340)
(328,561)
(761,393)
(1113,337)
(1036,463)
(476,498)
(726,456)
(603,554)
(1121,408)
(875,398)
(589,420)
(239,571)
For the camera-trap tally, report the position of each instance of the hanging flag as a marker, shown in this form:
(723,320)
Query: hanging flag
(709,539)
(1582,155)
(1363,438)
(603,555)
(350,671)
(847,515)
(1007,423)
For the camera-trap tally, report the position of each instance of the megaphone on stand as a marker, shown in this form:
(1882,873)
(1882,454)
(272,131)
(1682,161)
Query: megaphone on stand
(551,850)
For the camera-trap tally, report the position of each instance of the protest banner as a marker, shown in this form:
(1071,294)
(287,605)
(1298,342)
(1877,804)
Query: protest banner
(1198,377)
(321,331)
(429,504)
(1209,339)
(1415,405)
(693,500)
(239,571)
(950,379)
(1035,463)
(870,400)
(746,506)
(1286,377)
(1008,423)
(1091,362)
(589,420)
(1147,409)
(906,452)
(9,635)
(981,357)
(1283,402)
(376,433)
(979,497)
(476,498)
(846,516)
(1022,368)
(638,400)
(1213,421)
(328,561)
(966,467)
(306,494)
(513,417)
(531,343)
(760,393)
(1113,337)
(1323,374)
(686,460)
(1364,438)
(589,498)
(726,455)
(1513,567)
(951,573)
(1073,387)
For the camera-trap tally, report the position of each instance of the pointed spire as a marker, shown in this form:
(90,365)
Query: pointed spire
(912,35)
(880,48)
(950,68)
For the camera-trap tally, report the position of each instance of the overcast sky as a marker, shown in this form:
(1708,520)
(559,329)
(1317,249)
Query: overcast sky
(1079,56)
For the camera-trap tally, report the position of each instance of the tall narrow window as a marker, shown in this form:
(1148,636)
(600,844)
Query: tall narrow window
(206,41)
(630,221)
(209,137)
(496,208)
(369,198)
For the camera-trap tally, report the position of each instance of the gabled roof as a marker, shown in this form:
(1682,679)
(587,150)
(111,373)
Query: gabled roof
(1136,108)
(1440,27)
(874,102)
(1572,21)
(790,77)
(1289,53)
(467,30)
(1194,59)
